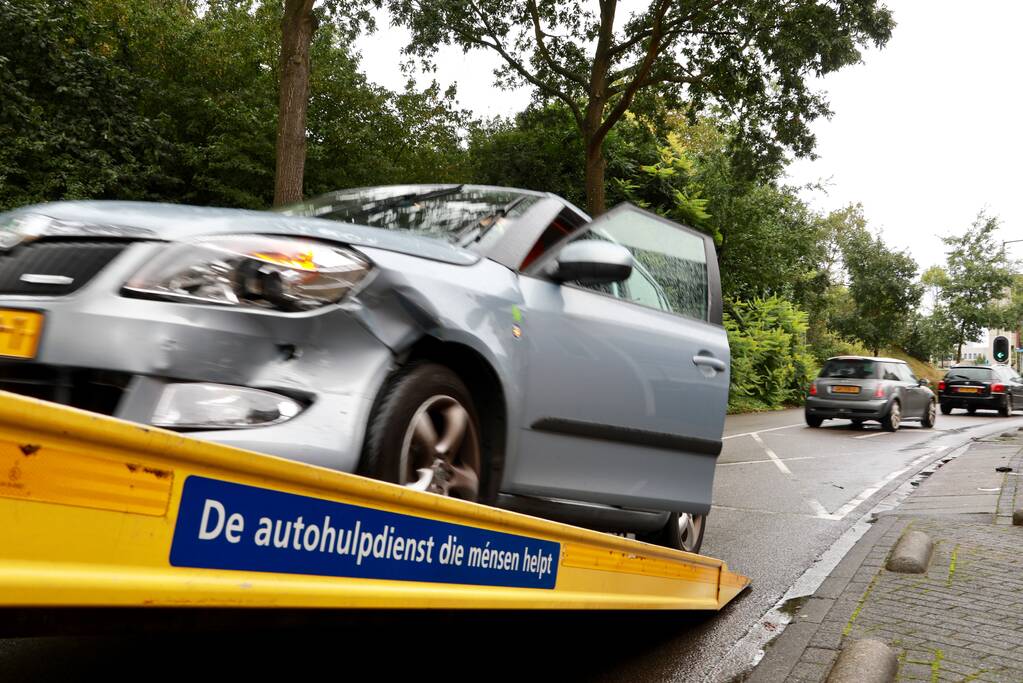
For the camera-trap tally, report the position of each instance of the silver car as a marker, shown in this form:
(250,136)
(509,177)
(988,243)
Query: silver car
(860,388)
(485,343)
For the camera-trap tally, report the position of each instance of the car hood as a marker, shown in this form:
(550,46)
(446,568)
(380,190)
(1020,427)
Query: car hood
(177,222)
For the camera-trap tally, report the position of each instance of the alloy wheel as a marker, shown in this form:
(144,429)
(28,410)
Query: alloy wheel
(440,452)
(689,527)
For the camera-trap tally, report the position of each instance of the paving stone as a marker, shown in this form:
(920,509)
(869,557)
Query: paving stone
(960,620)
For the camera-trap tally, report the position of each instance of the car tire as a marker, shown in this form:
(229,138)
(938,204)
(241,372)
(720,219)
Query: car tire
(1006,410)
(424,433)
(814,421)
(682,532)
(946,409)
(893,420)
(857,424)
(930,416)
(971,410)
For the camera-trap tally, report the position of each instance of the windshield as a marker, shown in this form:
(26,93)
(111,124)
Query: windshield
(970,373)
(849,369)
(456,214)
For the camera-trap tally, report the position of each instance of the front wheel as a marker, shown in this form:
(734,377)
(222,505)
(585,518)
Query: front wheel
(1006,410)
(814,421)
(682,532)
(424,434)
(892,421)
(946,409)
(930,417)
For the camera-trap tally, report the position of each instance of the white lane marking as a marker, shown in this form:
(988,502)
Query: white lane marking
(772,429)
(757,462)
(866,493)
(771,454)
(871,436)
(818,510)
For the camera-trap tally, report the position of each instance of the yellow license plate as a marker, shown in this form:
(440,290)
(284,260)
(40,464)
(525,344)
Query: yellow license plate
(19,333)
(968,390)
(845,390)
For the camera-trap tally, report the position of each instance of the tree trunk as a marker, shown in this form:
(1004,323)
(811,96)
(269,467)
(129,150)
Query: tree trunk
(596,201)
(297,30)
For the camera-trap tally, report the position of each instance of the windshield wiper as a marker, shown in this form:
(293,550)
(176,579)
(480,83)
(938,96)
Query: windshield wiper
(476,231)
(399,200)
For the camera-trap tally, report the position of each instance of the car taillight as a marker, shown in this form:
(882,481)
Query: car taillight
(941,386)
(879,392)
(997,388)
(813,388)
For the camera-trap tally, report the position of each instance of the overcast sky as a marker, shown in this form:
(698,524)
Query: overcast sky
(925,133)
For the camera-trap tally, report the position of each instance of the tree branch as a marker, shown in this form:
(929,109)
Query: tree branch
(653,48)
(517,65)
(534,13)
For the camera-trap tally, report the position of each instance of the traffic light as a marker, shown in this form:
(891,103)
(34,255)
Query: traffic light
(1001,350)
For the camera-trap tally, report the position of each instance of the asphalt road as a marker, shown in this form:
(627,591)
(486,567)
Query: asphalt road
(783,495)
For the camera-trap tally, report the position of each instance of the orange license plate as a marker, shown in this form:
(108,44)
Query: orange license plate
(841,389)
(19,333)
(968,390)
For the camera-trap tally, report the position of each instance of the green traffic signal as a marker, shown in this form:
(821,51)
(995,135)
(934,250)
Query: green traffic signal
(1001,349)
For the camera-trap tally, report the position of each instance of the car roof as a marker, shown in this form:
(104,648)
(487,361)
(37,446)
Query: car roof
(874,358)
(974,365)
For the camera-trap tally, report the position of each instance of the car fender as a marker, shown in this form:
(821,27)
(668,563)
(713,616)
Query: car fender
(477,306)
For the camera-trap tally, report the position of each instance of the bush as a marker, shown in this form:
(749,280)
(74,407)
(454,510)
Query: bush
(771,364)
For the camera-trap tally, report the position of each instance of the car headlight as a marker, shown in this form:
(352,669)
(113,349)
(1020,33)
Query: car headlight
(221,406)
(289,274)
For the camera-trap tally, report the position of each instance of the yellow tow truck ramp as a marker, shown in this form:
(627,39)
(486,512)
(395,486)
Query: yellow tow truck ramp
(99,512)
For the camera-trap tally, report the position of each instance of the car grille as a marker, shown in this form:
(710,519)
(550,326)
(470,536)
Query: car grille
(78,260)
(99,391)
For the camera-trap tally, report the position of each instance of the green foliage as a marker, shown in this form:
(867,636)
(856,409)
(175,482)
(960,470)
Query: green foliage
(147,99)
(771,364)
(976,278)
(669,188)
(754,60)
(540,149)
(882,288)
(69,120)
(932,336)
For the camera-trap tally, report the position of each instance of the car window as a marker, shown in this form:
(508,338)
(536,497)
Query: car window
(849,368)
(457,214)
(891,372)
(670,271)
(976,374)
(906,373)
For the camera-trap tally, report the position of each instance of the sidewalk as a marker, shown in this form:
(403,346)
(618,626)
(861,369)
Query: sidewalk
(962,620)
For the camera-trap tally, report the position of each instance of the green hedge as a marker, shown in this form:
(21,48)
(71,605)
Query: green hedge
(771,363)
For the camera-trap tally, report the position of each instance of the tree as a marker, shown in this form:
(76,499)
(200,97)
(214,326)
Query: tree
(976,279)
(883,287)
(752,59)
(297,28)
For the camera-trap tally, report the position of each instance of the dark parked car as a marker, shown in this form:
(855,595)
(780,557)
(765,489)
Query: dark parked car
(859,389)
(981,387)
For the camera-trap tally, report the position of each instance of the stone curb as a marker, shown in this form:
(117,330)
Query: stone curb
(912,553)
(865,661)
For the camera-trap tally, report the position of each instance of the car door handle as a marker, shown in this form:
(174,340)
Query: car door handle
(709,362)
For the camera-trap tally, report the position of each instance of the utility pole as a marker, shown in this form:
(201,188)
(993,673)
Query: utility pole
(1019,337)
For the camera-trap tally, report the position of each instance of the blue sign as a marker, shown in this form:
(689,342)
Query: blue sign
(223,525)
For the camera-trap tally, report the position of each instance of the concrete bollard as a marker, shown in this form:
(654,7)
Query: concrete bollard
(911,554)
(864,661)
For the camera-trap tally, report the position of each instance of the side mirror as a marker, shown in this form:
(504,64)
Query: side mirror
(592,262)
(925,382)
